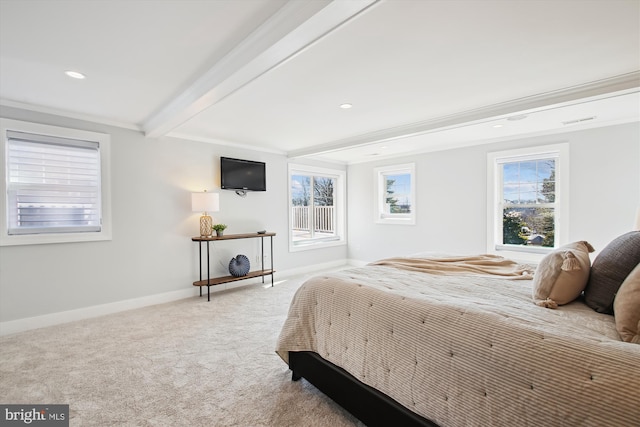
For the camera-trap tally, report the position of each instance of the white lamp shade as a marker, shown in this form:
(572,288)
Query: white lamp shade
(205,202)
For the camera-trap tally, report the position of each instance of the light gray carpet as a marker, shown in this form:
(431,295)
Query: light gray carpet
(185,363)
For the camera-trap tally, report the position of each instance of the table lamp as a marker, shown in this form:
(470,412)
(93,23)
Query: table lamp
(205,202)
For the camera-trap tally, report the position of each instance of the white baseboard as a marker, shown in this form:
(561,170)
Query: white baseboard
(357,262)
(312,268)
(28,323)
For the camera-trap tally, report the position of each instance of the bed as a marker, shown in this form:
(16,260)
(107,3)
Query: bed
(400,342)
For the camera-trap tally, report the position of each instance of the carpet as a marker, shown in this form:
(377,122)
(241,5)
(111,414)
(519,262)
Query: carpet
(184,363)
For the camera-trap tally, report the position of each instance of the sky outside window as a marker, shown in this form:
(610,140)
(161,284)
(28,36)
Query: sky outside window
(524,181)
(300,189)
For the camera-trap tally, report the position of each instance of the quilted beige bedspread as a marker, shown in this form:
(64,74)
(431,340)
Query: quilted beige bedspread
(469,349)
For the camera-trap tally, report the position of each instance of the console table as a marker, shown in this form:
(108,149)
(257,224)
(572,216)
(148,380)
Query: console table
(212,281)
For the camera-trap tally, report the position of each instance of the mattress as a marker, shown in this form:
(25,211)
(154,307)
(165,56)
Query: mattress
(468,349)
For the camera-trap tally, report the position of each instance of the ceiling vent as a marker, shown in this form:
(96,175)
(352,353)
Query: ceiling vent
(576,121)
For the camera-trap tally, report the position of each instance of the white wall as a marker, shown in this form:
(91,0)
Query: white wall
(452,195)
(151,252)
(152,255)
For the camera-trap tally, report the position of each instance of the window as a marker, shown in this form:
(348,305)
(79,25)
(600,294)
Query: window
(316,207)
(54,184)
(528,199)
(395,194)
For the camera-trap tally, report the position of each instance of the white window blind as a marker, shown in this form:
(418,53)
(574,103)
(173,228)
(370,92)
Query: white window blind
(53,184)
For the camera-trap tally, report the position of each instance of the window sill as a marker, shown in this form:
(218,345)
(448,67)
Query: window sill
(396,221)
(318,244)
(524,255)
(42,239)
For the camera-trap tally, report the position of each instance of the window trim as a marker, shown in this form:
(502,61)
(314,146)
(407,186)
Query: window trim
(339,197)
(380,194)
(104,141)
(561,152)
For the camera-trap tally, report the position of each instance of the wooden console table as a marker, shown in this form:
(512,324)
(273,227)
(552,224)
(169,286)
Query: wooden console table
(212,281)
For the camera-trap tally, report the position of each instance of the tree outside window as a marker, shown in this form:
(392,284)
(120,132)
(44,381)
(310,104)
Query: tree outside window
(528,202)
(395,194)
(398,193)
(315,215)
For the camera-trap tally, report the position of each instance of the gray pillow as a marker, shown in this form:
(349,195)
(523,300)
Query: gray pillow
(609,270)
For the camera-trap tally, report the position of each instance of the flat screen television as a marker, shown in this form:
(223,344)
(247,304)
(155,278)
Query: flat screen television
(245,175)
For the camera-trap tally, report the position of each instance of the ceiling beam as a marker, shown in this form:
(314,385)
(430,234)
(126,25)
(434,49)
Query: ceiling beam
(297,25)
(625,83)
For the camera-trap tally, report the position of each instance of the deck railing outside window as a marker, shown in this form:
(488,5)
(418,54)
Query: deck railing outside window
(323,220)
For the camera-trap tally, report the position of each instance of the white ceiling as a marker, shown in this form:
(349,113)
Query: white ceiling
(270,74)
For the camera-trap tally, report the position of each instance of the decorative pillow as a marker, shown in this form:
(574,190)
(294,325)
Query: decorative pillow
(626,307)
(562,275)
(239,266)
(609,270)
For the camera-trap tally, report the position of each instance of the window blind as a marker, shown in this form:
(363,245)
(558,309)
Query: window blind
(53,184)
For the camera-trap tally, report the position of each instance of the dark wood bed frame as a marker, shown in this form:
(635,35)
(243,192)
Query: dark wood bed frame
(369,405)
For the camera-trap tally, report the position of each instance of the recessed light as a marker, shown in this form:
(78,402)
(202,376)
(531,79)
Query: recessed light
(498,126)
(346,106)
(75,74)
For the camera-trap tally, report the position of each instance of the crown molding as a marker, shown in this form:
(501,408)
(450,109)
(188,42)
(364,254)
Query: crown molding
(68,114)
(614,86)
(474,143)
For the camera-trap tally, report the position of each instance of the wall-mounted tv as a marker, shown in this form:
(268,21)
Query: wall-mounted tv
(245,175)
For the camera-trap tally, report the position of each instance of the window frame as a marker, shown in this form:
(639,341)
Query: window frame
(559,151)
(339,201)
(104,142)
(380,216)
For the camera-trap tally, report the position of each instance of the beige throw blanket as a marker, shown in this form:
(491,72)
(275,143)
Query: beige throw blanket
(479,265)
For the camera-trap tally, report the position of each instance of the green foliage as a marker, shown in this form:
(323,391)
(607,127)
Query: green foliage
(512,226)
(218,227)
(549,186)
(548,229)
(390,200)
